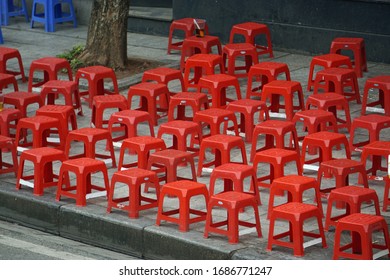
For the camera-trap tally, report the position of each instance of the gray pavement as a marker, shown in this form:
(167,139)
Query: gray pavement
(141,237)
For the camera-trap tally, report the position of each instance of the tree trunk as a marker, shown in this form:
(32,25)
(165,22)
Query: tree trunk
(107,34)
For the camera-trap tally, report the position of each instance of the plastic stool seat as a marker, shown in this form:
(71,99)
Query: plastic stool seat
(214,118)
(100,103)
(9,118)
(7,54)
(9,9)
(21,100)
(382,85)
(8,144)
(196,100)
(230,55)
(7,80)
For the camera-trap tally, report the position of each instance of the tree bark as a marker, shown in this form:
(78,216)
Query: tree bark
(107,34)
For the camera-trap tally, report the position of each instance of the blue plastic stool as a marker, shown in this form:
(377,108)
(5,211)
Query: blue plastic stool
(10,9)
(53,13)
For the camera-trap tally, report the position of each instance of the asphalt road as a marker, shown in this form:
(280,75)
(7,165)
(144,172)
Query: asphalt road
(22,243)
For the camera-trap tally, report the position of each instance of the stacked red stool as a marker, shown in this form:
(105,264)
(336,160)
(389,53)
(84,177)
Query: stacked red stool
(43,176)
(69,89)
(250,31)
(382,85)
(197,101)
(362,228)
(358,49)
(7,54)
(263,73)
(142,146)
(286,89)
(9,118)
(231,54)
(234,202)
(8,144)
(222,145)
(149,94)
(332,102)
(217,87)
(184,191)
(95,76)
(296,214)
(22,100)
(101,103)
(354,197)
(7,80)
(50,66)
(85,169)
(135,201)
(215,118)
(326,61)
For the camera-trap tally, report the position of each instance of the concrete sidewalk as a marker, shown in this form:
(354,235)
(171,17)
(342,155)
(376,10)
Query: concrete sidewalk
(141,237)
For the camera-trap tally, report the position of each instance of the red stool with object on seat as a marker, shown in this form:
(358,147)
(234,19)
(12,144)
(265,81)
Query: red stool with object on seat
(296,214)
(6,80)
(22,100)
(361,227)
(8,144)
(382,85)
(214,118)
(184,191)
(85,170)
(326,61)
(101,103)
(96,77)
(250,31)
(231,54)
(142,146)
(196,100)
(134,202)
(353,197)
(69,89)
(234,202)
(358,49)
(8,120)
(7,54)
(50,66)
(263,73)
(43,176)
(222,145)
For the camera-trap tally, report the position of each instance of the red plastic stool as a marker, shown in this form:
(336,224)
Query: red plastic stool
(69,89)
(194,44)
(287,89)
(183,190)
(178,103)
(200,65)
(340,169)
(374,124)
(326,61)
(150,94)
(6,80)
(183,25)
(231,54)
(142,146)
(382,85)
(362,229)
(214,118)
(101,103)
(218,87)
(247,108)
(43,176)
(234,203)
(131,120)
(22,100)
(331,102)
(134,201)
(296,214)
(40,127)
(50,66)
(386,198)
(167,162)
(263,73)
(8,120)
(358,48)
(180,131)
(222,145)
(354,197)
(90,137)
(277,160)
(250,31)
(234,177)
(339,80)
(8,144)
(295,186)
(274,132)
(85,170)
(376,151)
(96,76)
(8,54)
(164,75)
(326,141)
